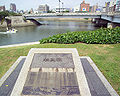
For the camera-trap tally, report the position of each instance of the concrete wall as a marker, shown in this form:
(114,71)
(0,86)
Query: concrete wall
(17,21)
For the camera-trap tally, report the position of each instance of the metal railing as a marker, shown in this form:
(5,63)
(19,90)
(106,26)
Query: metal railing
(74,14)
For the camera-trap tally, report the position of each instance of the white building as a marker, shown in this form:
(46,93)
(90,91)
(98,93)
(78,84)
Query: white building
(57,9)
(104,9)
(117,6)
(43,8)
(76,9)
(36,12)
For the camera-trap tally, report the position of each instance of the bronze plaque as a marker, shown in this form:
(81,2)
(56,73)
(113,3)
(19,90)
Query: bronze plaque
(51,83)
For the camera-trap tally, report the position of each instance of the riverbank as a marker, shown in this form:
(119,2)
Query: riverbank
(17,21)
(105,56)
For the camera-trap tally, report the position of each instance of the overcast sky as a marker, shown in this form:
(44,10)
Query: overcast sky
(28,4)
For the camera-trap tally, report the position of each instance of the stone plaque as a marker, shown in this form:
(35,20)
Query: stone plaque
(52,60)
(51,83)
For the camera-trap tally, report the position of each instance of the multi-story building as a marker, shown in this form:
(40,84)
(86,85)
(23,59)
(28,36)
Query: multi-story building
(112,5)
(90,8)
(94,8)
(43,8)
(76,9)
(57,9)
(84,6)
(71,10)
(103,9)
(2,8)
(12,7)
(31,11)
(107,5)
(36,12)
(117,6)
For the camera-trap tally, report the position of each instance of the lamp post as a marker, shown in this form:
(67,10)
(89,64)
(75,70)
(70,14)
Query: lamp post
(59,6)
(62,7)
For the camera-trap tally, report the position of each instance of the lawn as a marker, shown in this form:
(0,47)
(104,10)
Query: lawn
(105,56)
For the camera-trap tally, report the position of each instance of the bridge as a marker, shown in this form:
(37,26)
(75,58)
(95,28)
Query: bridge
(110,17)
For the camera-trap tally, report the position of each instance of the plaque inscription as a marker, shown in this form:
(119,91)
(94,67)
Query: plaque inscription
(52,60)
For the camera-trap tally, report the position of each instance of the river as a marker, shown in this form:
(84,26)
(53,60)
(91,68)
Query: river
(35,33)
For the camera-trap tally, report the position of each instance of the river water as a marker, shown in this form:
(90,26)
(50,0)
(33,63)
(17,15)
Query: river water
(35,33)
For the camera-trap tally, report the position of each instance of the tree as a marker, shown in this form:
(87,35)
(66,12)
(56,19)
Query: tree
(3,14)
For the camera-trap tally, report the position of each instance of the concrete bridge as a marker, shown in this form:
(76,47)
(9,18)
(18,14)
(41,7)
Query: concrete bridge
(99,18)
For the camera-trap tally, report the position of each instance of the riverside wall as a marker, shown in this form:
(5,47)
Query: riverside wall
(17,21)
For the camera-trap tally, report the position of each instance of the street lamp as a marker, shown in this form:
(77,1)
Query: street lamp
(59,6)
(62,6)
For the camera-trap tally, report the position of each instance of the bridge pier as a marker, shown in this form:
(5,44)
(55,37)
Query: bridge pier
(99,22)
(110,25)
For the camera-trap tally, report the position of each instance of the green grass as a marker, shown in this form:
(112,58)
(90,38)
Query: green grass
(105,56)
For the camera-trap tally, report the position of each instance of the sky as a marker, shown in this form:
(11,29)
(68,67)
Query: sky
(28,4)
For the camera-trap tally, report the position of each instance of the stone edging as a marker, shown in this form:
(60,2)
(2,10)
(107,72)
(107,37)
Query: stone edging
(2,80)
(101,76)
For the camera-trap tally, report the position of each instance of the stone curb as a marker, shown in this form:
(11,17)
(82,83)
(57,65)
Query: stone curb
(22,44)
(2,80)
(102,77)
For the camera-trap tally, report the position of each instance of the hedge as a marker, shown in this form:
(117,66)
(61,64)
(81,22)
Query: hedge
(99,36)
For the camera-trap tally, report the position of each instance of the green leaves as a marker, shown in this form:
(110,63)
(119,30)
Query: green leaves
(99,36)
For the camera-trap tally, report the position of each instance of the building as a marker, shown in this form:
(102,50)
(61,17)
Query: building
(43,8)
(12,7)
(57,9)
(84,6)
(2,8)
(36,12)
(112,6)
(94,8)
(117,6)
(107,5)
(90,8)
(77,9)
(71,10)
(31,11)
(104,9)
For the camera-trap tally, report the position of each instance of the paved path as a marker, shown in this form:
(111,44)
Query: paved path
(7,86)
(96,86)
(22,44)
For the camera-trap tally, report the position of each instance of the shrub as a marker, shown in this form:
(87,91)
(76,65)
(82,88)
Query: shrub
(99,36)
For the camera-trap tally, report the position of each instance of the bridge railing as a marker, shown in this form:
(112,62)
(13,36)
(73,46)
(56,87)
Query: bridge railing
(74,14)
(111,13)
(55,14)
